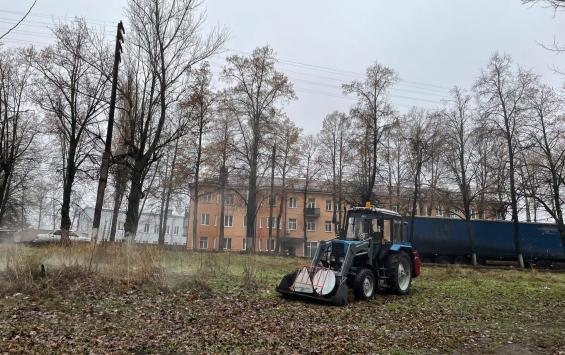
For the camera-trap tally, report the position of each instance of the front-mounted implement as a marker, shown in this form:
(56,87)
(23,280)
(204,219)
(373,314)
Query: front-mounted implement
(370,253)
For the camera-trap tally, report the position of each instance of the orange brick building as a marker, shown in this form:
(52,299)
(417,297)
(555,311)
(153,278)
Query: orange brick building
(290,226)
(317,216)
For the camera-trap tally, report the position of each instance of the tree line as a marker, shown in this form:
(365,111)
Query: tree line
(500,140)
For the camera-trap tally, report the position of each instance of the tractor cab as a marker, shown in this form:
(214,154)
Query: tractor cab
(376,224)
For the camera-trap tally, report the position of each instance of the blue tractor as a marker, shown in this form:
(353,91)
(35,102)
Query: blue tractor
(370,253)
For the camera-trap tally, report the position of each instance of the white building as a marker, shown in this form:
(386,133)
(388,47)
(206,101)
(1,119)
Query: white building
(147,230)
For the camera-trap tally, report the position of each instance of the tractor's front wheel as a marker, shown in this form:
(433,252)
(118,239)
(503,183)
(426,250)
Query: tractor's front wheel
(364,284)
(400,273)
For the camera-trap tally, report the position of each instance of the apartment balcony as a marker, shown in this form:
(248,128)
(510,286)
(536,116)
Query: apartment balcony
(312,212)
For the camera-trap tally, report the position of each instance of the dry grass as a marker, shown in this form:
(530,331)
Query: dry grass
(26,268)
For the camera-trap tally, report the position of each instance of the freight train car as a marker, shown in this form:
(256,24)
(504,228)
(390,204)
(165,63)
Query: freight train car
(444,240)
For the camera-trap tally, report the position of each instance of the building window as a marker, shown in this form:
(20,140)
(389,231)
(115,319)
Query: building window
(168,230)
(245,221)
(310,226)
(176,230)
(473,214)
(260,222)
(227,244)
(329,205)
(395,208)
(207,197)
(274,223)
(156,229)
(205,219)
(270,245)
(428,210)
(243,243)
(228,221)
(440,211)
(203,242)
(311,203)
(311,249)
(120,226)
(146,228)
(291,224)
(328,226)
(228,199)
(292,202)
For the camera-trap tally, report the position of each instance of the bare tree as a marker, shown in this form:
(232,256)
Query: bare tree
(73,94)
(421,128)
(258,88)
(503,98)
(334,139)
(220,153)
(310,167)
(547,134)
(396,171)
(164,43)
(120,172)
(288,139)
(17,122)
(459,155)
(374,114)
(168,185)
(199,107)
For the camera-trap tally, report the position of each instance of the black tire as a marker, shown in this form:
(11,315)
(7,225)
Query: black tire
(399,273)
(364,285)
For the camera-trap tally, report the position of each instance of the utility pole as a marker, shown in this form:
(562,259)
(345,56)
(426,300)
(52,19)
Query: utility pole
(104,167)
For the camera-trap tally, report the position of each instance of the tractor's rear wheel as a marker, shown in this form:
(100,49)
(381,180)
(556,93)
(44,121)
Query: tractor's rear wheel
(399,275)
(364,285)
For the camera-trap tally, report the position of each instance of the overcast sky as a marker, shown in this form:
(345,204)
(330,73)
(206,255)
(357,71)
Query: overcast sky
(432,44)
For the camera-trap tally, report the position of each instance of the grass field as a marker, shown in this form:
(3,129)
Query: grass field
(123,299)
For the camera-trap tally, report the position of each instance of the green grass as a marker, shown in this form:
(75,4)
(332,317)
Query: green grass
(225,302)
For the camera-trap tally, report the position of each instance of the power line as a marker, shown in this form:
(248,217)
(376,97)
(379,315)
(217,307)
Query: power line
(303,65)
(337,71)
(338,87)
(406,86)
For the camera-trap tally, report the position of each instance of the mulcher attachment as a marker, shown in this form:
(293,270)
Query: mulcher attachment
(314,283)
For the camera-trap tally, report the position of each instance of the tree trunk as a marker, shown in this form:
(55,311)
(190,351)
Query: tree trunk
(161,233)
(514,203)
(252,189)
(415,199)
(196,183)
(118,197)
(169,191)
(272,200)
(134,199)
(222,217)
(305,232)
(67,192)
(4,192)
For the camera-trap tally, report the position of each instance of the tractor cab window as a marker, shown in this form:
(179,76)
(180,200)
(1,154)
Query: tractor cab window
(361,227)
(397,235)
(387,230)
